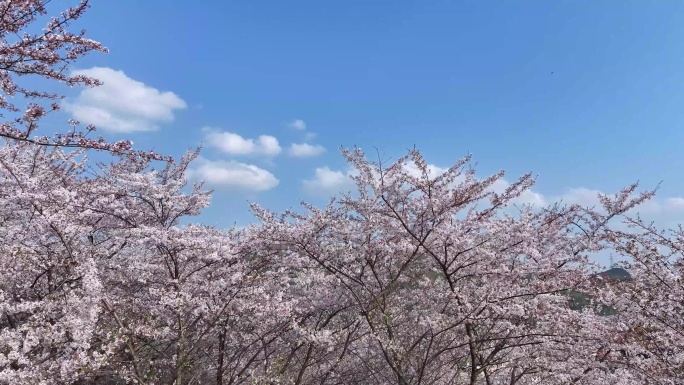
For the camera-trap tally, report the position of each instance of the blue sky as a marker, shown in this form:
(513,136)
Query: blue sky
(586,94)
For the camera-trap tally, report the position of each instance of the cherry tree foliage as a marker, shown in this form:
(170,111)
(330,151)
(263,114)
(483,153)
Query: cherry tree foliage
(46,54)
(205,296)
(101,281)
(446,285)
(648,331)
(50,286)
(412,278)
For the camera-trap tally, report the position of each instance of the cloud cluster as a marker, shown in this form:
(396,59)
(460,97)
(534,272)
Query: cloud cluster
(125,105)
(297,124)
(667,211)
(251,177)
(266,146)
(305,150)
(233,144)
(122,104)
(232,175)
(327,181)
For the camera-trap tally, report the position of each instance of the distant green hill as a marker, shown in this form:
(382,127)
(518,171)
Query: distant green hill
(616,273)
(579,300)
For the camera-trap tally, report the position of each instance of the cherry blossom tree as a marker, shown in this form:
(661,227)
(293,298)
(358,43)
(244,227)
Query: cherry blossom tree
(47,54)
(50,285)
(102,282)
(187,302)
(448,286)
(647,334)
(414,278)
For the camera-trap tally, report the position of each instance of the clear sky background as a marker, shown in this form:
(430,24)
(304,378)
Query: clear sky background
(588,94)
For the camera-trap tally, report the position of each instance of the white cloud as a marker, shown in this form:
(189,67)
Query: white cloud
(414,171)
(581,196)
(529,197)
(672,207)
(122,104)
(232,175)
(298,124)
(327,181)
(589,198)
(305,150)
(234,144)
(665,211)
(675,203)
